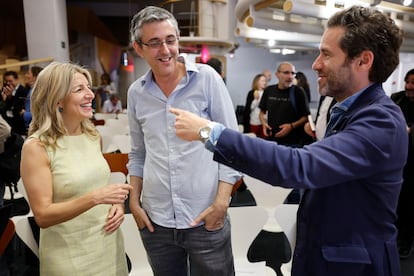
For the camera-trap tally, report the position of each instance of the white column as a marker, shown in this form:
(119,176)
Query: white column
(214,20)
(46,29)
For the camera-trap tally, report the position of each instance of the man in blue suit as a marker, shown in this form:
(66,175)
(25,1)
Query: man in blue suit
(352,178)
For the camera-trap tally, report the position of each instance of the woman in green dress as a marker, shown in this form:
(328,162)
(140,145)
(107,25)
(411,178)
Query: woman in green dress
(66,178)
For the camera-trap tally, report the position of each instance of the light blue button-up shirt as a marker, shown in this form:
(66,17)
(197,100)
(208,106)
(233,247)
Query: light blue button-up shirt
(180,178)
(339,109)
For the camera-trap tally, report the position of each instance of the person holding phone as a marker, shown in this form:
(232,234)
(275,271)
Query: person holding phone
(13,96)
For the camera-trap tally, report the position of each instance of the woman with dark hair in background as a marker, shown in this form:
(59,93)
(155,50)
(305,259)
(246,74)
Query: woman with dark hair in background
(302,81)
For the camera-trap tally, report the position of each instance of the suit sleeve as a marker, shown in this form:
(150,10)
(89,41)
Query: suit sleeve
(328,162)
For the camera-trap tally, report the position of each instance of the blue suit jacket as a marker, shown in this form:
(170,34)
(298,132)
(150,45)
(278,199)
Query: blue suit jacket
(352,181)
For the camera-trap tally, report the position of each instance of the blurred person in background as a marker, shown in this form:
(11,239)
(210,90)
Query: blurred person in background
(13,96)
(112,105)
(268,75)
(251,120)
(302,81)
(30,79)
(405,221)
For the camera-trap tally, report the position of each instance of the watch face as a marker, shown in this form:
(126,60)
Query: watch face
(204,133)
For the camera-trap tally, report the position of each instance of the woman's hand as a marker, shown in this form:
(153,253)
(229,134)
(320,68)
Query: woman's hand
(112,194)
(115,218)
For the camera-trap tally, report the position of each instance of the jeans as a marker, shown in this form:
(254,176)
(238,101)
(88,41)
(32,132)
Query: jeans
(170,251)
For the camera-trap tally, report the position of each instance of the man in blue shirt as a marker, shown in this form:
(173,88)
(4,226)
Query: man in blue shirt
(352,178)
(173,181)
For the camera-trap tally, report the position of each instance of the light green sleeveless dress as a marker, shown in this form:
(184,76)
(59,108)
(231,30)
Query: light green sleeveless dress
(80,246)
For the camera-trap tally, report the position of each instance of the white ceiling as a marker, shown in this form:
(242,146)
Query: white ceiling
(298,24)
(293,24)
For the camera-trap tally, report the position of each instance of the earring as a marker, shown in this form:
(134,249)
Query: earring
(60,109)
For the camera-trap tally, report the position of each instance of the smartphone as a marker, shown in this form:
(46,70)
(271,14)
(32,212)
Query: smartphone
(311,123)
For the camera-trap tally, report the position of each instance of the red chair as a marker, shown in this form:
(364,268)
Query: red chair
(117,162)
(7,235)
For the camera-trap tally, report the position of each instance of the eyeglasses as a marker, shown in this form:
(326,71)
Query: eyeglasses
(156,44)
(288,73)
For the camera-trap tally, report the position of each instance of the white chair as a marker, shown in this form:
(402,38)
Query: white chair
(123,117)
(108,144)
(122,142)
(286,215)
(134,248)
(104,130)
(269,197)
(104,116)
(246,223)
(117,126)
(113,122)
(117,177)
(21,192)
(21,189)
(24,232)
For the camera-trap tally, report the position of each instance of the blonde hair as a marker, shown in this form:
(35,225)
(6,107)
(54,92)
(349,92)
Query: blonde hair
(53,85)
(255,82)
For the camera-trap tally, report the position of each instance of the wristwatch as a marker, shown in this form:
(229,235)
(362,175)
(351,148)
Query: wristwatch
(205,132)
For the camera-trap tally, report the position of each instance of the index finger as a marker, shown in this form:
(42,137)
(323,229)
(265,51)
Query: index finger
(175,111)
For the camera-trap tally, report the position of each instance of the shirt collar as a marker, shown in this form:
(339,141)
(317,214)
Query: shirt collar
(345,104)
(190,67)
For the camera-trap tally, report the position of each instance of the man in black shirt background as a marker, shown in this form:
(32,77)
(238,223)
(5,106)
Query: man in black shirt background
(284,109)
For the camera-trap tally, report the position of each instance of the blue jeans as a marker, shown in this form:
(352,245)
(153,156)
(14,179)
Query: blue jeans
(170,250)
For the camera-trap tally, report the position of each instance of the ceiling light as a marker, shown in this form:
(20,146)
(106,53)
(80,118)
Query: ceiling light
(275,51)
(288,51)
(406,2)
(283,51)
